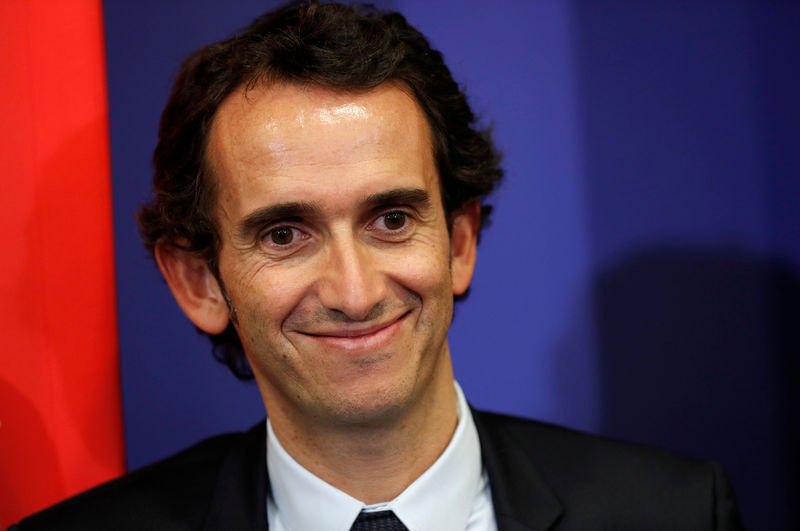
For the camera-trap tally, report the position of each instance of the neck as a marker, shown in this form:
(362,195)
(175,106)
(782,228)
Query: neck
(376,460)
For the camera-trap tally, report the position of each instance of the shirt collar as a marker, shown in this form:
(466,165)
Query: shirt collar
(304,501)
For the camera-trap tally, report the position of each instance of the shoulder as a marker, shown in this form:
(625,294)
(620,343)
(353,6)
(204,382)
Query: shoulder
(598,479)
(172,494)
(567,448)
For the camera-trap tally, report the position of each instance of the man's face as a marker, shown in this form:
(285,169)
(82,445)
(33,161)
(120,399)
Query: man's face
(335,251)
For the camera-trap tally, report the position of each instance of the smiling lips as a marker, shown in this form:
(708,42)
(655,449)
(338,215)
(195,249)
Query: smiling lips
(358,338)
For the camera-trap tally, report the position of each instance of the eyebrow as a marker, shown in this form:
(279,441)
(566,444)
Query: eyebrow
(400,196)
(260,218)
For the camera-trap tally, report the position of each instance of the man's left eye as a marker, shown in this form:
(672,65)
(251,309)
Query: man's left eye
(395,220)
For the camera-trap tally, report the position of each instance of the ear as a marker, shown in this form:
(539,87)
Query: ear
(194,287)
(464,245)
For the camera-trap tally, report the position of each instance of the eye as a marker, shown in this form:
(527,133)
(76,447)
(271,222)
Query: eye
(281,236)
(395,220)
(392,225)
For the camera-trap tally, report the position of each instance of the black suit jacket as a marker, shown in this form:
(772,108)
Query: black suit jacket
(542,477)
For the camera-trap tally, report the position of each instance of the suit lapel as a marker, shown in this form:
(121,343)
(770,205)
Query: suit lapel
(240,496)
(521,497)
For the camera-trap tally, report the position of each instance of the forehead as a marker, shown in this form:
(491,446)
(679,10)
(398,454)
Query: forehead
(295,138)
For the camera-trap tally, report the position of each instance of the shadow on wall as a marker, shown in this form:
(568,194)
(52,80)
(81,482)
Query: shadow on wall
(698,353)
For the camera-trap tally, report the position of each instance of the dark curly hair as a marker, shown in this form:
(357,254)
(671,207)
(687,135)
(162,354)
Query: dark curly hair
(330,45)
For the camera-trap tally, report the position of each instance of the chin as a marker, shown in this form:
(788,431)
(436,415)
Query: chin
(371,406)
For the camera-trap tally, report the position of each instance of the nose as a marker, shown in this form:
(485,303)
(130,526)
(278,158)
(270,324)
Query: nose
(352,284)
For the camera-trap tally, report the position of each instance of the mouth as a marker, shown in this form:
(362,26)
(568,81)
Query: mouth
(358,336)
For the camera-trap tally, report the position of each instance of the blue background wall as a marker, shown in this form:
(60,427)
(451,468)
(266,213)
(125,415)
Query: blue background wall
(640,278)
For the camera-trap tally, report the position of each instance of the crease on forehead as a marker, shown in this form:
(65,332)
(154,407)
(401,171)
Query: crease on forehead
(236,131)
(234,123)
(326,105)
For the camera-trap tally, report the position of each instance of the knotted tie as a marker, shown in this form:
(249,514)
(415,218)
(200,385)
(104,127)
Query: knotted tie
(378,521)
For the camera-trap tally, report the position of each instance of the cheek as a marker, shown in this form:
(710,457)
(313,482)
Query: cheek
(262,310)
(266,298)
(426,272)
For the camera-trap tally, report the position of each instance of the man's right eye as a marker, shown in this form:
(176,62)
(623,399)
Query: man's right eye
(281,235)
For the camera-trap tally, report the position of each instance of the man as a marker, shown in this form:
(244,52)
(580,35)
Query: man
(318,184)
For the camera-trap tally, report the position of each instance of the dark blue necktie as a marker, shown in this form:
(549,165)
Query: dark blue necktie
(378,521)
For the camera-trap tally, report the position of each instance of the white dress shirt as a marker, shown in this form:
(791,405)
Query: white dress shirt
(452,495)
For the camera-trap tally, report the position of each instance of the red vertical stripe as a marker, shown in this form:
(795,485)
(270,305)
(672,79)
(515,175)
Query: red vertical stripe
(60,407)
